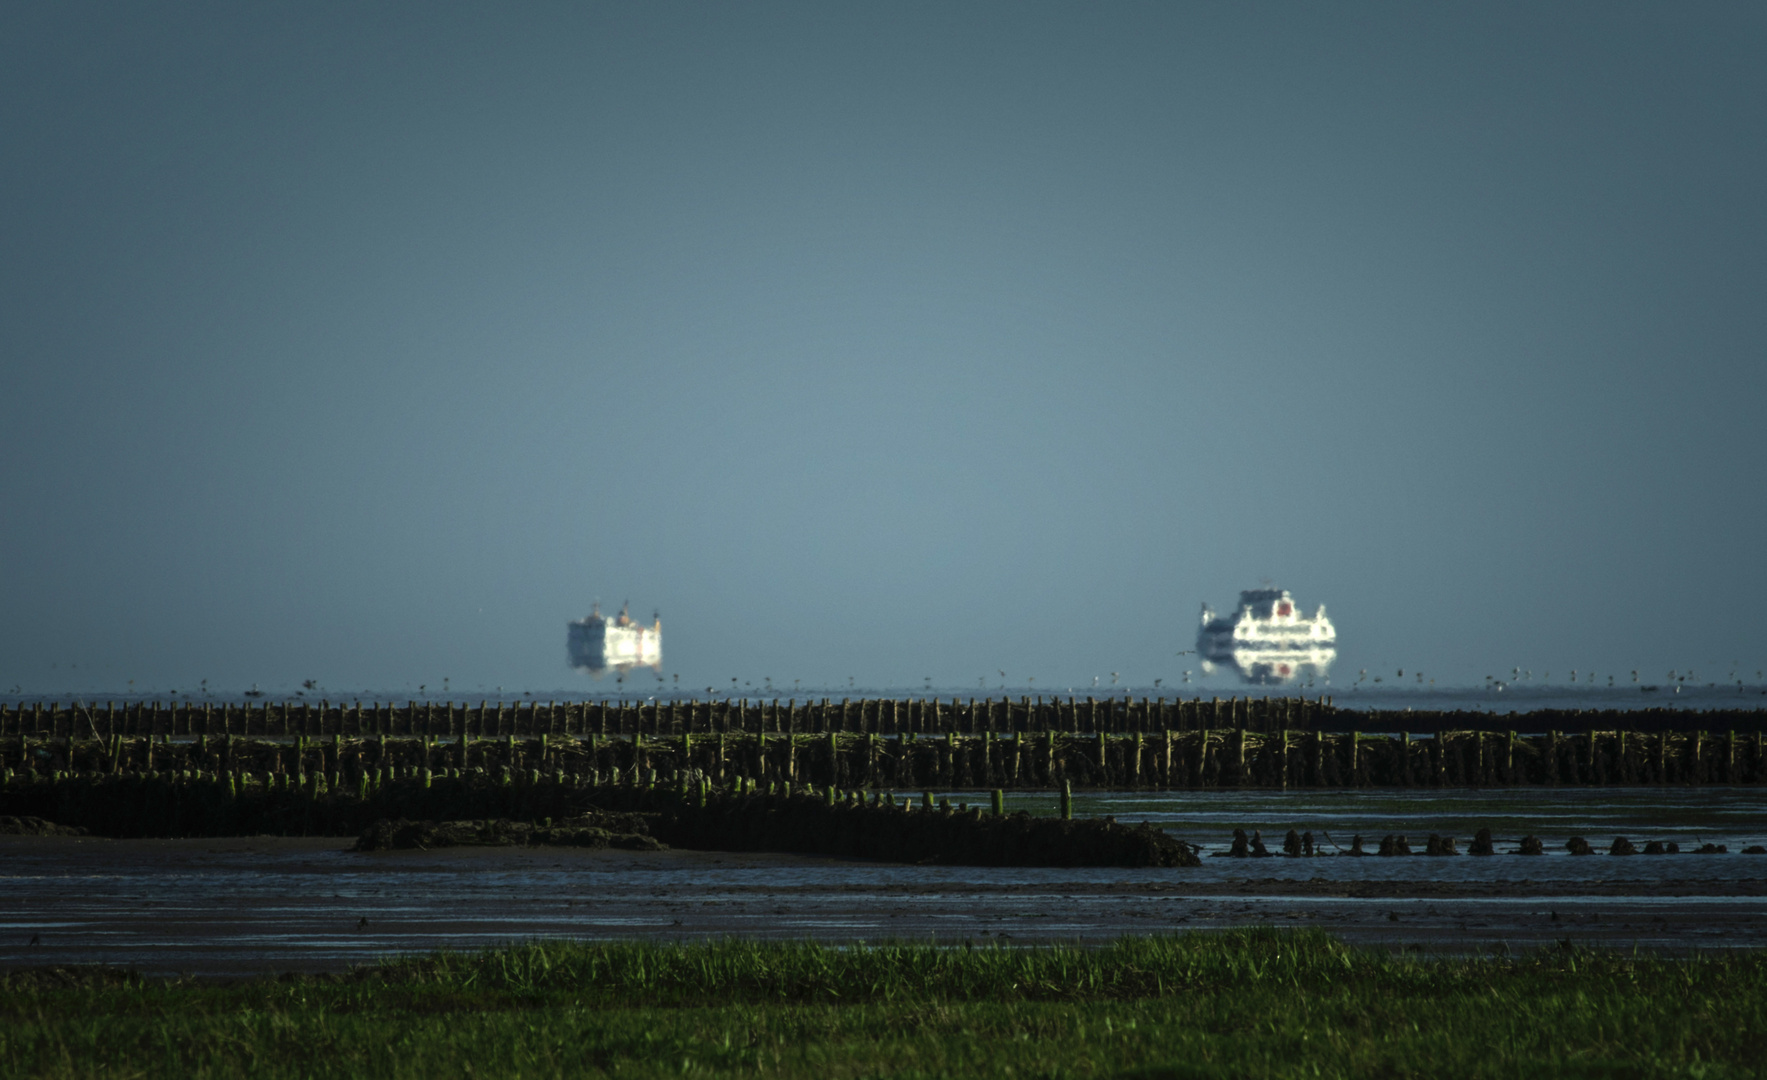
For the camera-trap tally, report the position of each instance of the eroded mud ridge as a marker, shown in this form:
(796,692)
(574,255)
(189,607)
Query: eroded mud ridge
(826,822)
(816,826)
(593,830)
(878,829)
(35,826)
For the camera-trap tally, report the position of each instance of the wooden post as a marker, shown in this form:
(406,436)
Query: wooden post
(1067,801)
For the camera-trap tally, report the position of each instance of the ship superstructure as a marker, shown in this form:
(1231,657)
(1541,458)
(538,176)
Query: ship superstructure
(597,644)
(1267,640)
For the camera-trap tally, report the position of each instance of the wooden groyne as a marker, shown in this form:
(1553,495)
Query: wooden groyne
(1209,759)
(868,716)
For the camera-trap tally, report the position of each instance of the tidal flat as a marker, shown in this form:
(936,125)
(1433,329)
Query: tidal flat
(248,906)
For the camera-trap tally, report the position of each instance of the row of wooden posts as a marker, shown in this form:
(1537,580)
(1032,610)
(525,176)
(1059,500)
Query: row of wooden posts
(876,716)
(1205,759)
(870,716)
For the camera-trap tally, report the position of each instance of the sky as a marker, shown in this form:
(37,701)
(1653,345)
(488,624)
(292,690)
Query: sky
(369,343)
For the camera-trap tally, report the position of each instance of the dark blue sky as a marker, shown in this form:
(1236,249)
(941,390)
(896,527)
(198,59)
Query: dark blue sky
(369,343)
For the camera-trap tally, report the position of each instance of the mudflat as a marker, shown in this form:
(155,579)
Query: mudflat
(270,904)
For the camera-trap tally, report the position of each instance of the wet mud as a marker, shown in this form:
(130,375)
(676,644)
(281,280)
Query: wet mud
(272,904)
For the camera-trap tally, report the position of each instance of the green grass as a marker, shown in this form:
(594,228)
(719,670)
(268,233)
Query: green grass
(1246,1003)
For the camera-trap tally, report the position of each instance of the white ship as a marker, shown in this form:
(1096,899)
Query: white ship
(598,644)
(1267,640)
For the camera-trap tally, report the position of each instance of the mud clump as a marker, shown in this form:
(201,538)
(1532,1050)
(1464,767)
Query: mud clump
(589,831)
(1440,845)
(1394,845)
(1481,844)
(1530,845)
(1622,846)
(35,826)
(1576,845)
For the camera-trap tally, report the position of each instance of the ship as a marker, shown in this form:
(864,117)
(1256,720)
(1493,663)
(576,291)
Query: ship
(1267,640)
(598,645)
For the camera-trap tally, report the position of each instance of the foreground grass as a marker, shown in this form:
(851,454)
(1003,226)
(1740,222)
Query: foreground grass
(1249,1003)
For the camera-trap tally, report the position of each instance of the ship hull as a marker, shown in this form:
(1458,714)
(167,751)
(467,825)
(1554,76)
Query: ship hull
(599,645)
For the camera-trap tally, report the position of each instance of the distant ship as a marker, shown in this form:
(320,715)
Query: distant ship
(598,645)
(1267,640)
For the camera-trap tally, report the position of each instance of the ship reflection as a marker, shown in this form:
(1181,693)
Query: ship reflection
(1274,667)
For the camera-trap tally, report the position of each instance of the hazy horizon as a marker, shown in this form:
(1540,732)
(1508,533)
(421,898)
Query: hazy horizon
(370,344)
